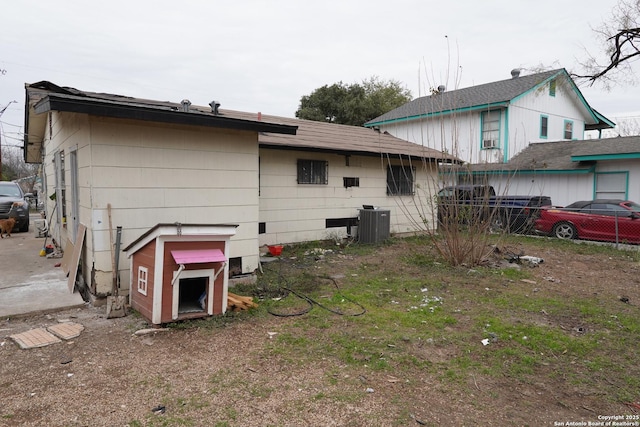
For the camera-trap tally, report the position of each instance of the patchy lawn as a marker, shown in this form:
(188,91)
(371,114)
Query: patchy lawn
(358,336)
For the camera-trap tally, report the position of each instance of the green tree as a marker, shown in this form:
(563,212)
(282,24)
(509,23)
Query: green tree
(352,104)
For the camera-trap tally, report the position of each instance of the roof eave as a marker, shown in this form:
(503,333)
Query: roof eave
(596,157)
(52,102)
(501,104)
(292,147)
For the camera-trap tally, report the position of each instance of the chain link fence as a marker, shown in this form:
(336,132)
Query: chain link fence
(607,221)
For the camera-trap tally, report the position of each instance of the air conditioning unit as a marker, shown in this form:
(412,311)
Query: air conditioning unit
(374,225)
(490,143)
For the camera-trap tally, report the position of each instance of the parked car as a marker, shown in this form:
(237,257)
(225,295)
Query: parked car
(13,204)
(506,212)
(610,220)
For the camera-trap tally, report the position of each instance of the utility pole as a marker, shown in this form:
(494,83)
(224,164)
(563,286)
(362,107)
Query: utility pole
(1,112)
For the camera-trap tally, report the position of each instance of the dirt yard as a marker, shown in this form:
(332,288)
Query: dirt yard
(249,369)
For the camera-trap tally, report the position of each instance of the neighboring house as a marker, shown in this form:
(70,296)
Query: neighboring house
(490,123)
(279,180)
(569,171)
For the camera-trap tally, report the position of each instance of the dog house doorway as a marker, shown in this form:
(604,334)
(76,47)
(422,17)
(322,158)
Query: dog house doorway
(192,293)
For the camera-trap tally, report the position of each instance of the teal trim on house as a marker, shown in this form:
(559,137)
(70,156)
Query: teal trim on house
(618,156)
(537,87)
(552,87)
(626,185)
(532,172)
(505,150)
(594,115)
(604,119)
(564,129)
(441,113)
(545,134)
(483,116)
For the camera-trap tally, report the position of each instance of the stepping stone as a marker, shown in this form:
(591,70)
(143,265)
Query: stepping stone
(66,330)
(34,338)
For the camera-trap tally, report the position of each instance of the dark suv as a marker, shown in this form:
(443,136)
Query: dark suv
(13,204)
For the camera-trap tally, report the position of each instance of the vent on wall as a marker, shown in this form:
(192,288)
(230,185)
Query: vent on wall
(351,181)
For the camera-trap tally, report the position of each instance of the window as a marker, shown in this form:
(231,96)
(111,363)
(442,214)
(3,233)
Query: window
(312,172)
(61,193)
(143,274)
(606,209)
(544,126)
(552,87)
(400,180)
(490,129)
(568,129)
(611,185)
(351,181)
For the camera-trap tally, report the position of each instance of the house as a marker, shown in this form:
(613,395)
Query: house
(276,180)
(568,171)
(492,122)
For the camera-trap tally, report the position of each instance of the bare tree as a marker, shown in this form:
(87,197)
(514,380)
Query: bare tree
(14,167)
(620,36)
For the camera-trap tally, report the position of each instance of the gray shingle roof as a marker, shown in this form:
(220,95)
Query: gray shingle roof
(331,137)
(474,96)
(565,155)
(310,135)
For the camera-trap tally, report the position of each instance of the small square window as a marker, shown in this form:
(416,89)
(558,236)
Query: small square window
(313,172)
(143,277)
(400,180)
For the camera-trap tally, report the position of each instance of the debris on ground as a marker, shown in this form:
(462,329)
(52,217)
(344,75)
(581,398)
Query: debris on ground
(149,331)
(239,303)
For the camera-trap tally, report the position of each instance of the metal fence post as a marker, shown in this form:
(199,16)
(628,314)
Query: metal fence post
(616,214)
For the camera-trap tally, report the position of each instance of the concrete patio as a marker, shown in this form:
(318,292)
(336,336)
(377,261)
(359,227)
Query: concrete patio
(30,283)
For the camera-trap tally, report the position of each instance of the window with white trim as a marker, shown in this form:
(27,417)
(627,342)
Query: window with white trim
(490,129)
(143,277)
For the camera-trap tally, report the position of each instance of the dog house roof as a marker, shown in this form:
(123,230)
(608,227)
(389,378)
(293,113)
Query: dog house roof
(177,229)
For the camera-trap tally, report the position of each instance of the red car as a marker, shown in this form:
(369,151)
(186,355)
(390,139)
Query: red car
(609,220)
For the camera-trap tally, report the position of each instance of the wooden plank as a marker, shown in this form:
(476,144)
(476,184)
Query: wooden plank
(66,257)
(75,258)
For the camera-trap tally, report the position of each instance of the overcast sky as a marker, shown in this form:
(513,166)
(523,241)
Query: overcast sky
(257,55)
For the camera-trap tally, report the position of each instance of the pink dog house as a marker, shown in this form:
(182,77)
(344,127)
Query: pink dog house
(180,271)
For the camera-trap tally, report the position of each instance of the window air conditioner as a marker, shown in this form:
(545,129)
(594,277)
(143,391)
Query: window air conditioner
(490,143)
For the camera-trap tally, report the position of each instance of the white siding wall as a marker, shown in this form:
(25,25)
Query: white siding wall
(568,188)
(459,133)
(296,213)
(525,113)
(562,188)
(152,173)
(66,132)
